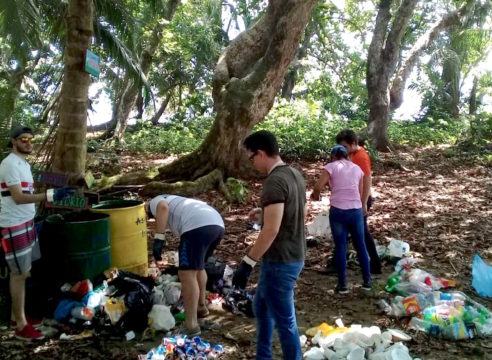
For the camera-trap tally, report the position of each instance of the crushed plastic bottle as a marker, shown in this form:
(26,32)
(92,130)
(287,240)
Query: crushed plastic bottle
(82,313)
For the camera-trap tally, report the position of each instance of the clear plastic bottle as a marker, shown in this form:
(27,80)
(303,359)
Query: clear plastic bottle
(82,313)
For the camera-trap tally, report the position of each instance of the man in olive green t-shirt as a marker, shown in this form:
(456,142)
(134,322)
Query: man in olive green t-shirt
(282,245)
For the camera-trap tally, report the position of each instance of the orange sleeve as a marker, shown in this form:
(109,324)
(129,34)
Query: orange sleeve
(362,159)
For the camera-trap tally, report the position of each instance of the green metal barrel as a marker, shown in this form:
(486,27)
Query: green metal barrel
(76,246)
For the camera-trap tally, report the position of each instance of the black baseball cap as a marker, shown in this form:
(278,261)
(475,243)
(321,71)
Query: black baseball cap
(18,131)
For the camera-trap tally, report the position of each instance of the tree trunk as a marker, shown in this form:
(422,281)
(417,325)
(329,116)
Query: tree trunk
(291,77)
(155,119)
(450,94)
(70,147)
(132,89)
(473,97)
(382,60)
(246,79)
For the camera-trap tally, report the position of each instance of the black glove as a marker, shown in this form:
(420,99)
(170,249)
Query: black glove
(59,193)
(243,272)
(157,249)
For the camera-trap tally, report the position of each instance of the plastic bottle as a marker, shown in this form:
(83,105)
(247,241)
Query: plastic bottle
(393,280)
(419,324)
(82,313)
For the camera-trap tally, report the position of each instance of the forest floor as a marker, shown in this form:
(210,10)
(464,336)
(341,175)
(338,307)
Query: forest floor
(437,201)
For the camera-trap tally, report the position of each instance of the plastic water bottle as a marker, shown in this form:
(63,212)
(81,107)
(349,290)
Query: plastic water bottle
(82,313)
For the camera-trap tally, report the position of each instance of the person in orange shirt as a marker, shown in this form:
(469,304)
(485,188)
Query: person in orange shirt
(359,156)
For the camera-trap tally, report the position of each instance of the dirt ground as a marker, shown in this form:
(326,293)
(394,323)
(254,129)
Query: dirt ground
(438,203)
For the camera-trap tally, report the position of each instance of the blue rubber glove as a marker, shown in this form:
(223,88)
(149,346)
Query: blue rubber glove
(243,272)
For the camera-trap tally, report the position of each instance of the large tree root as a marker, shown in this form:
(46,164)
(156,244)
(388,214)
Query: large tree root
(213,180)
(135,178)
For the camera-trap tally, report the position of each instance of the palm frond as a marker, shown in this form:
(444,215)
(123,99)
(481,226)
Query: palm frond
(118,13)
(20,22)
(113,46)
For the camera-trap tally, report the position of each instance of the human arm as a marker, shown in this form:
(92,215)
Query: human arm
(272,218)
(366,191)
(51,194)
(20,198)
(323,180)
(161,218)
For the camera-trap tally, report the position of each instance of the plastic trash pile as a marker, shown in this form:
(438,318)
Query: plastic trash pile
(180,347)
(451,315)
(409,280)
(356,343)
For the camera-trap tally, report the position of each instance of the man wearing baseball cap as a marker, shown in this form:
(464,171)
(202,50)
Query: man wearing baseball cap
(17,231)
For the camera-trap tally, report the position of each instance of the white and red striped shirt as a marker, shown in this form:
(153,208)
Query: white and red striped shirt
(15,170)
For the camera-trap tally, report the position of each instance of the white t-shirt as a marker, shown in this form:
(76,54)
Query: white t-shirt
(187,214)
(15,170)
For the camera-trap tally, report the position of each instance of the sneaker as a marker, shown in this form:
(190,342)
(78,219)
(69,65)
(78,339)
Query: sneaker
(376,270)
(34,322)
(183,330)
(342,290)
(202,312)
(28,333)
(366,287)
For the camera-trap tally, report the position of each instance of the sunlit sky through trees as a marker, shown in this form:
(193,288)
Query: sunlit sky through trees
(410,108)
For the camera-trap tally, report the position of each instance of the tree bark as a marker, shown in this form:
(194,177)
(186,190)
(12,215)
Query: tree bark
(472,103)
(70,146)
(155,119)
(422,44)
(246,79)
(450,94)
(382,60)
(291,77)
(131,91)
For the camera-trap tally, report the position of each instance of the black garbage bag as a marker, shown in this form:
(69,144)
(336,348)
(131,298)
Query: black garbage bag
(138,300)
(215,270)
(240,301)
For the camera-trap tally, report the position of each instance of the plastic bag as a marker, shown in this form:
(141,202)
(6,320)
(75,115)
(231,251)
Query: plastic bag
(482,277)
(172,293)
(115,309)
(320,227)
(160,318)
(397,248)
(158,296)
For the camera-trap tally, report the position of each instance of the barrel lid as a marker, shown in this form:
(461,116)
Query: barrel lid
(76,217)
(117,204)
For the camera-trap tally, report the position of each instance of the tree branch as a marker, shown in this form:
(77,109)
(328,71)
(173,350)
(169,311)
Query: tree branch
(422,44)
(398,28)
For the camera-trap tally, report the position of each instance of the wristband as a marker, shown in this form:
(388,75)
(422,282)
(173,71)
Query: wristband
(50,193)
(249,261)
(160,236)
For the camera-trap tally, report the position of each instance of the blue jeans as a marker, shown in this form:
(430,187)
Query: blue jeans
(274,305)
(343,222)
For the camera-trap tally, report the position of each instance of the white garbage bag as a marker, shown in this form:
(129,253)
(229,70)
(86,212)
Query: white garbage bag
(320,226)
(160,318)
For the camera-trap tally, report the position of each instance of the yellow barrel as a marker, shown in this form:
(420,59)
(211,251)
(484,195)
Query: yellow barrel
(128,229)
